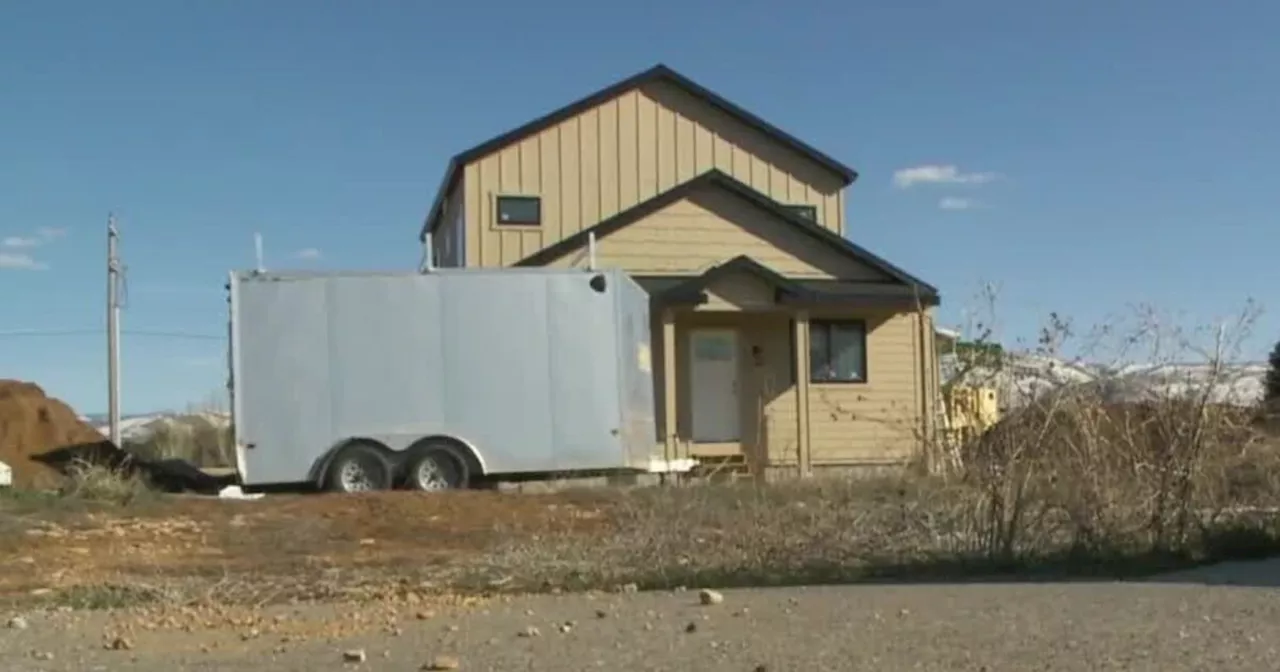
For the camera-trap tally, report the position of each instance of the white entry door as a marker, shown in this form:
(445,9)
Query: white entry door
(713,385)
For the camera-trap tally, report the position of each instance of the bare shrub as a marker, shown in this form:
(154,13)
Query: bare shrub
(213,445)
(95,483)
(1123,457)
(193,439)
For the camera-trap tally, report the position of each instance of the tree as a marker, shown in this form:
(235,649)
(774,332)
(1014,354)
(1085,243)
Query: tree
(1271,393)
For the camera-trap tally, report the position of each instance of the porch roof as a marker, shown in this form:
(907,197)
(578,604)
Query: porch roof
(692,290)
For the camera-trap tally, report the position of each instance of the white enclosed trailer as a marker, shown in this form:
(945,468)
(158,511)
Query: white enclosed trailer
(355,381)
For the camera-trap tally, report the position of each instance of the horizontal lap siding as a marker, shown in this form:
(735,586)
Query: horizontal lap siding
(781,424)
(776,387)
(706,229)
(739,292)
(620,153)
(878,420)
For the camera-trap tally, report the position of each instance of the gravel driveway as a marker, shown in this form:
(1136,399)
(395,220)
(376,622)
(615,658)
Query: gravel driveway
(1070,626)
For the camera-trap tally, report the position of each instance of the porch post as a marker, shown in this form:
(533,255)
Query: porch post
(669,381)
(801,340)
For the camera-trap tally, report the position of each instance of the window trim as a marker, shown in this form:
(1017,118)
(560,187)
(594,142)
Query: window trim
(497,210)
(793,207)
(827,324)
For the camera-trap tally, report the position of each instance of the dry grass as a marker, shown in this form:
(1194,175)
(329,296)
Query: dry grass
(95,483)
(1114,515)
(908,528)
(1075,483)
(195,440)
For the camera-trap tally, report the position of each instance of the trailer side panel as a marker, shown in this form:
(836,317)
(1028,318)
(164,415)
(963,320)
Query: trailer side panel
(385,353)
(282,385)
(635,373)
(583,345)
(495,367)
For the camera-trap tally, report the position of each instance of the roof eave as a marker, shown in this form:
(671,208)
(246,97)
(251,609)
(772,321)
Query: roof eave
(434,215)
(819,299)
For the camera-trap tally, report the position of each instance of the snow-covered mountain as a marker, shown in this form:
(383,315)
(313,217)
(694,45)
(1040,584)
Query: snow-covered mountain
(141,427)
(1024,376)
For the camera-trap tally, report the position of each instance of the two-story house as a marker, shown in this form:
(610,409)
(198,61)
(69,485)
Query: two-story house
(774,337)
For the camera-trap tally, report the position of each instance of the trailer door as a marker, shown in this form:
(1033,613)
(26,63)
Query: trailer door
(281,377)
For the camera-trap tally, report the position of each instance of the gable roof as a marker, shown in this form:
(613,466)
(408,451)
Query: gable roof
(785,290)
(693,288)
(658,73)
(720,180)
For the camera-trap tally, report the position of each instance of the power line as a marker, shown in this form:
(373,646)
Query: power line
(50,332)
(14,333)
(175,334)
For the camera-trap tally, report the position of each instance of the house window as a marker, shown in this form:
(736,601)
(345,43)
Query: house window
(809,212)
(838,351)
(519,210)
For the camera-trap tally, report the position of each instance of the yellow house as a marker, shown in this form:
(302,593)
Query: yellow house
(776,340)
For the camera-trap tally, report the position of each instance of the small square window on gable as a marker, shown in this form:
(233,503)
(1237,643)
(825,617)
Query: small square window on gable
(519,210)
(809,212)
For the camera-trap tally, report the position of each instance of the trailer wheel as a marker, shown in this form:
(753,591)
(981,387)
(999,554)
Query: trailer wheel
(360,467)
(435,467)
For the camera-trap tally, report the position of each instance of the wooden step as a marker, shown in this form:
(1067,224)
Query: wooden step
(729,467)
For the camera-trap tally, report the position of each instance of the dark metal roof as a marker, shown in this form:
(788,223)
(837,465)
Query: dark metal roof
(692,290)
(721,180)
(656,73)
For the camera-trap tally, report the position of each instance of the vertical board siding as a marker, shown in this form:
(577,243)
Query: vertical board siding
(622,152)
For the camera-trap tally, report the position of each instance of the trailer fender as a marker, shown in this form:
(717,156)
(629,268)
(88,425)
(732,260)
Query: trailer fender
(475,463)
(321,466)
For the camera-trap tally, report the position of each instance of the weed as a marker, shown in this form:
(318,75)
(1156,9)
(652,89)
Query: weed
(96,483)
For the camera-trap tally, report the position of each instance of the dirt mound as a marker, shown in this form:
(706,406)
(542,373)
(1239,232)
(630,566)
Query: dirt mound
(31,424)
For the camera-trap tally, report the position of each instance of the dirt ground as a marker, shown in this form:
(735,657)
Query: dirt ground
(286,545)
(1082,626)
(396,579)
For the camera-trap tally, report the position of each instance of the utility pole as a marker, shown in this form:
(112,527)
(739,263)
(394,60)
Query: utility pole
(113,329)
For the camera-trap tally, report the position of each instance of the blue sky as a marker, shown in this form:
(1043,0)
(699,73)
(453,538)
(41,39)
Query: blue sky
(1132,147)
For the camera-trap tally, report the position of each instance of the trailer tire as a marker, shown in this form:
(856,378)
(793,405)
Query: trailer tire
(358,467)
(435,466)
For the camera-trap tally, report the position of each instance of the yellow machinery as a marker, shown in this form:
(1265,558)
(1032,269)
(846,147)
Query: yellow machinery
(971,409)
